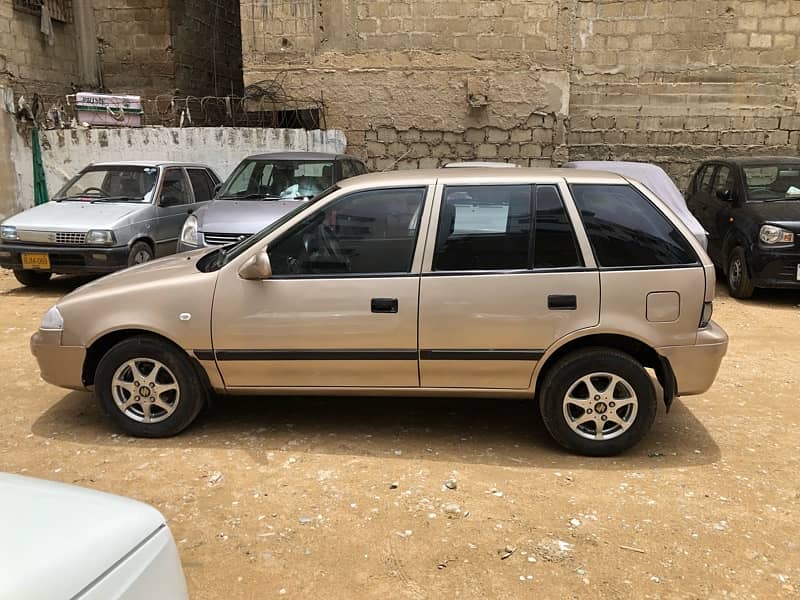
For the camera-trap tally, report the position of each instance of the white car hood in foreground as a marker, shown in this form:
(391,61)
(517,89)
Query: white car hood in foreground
(74,215)
(57,539)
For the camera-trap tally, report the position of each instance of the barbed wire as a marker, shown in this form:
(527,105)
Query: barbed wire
(263,104)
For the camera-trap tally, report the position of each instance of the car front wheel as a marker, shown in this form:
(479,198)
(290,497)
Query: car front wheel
(140,253)
(739,282)
(32,278)
(149,387)
(598,402)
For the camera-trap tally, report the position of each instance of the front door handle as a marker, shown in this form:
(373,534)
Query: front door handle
(384,305)
(562,302)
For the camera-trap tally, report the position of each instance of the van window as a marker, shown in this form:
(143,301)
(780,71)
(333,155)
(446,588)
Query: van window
(484,228)
(626,230)
(362,233)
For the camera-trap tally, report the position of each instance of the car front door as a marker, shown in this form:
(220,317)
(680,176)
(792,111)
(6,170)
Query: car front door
(720,205)
(699,199)
(503,278)
(175,203)
(341,307)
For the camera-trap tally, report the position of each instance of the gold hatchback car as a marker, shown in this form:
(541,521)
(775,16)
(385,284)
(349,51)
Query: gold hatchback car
(567,286)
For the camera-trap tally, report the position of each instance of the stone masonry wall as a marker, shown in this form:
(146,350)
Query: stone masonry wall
(421,82)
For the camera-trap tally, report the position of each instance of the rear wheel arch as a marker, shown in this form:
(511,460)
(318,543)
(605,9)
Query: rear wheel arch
(642,352)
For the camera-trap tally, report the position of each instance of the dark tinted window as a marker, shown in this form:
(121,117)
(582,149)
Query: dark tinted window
(484,227)
(705,180)
(626,230)
(724,180)
(554,244)
(348,169)
(362,233)
(202,185)
(175,189)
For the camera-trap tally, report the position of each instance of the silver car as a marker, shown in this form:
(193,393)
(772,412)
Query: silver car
(108,217)
(261,189)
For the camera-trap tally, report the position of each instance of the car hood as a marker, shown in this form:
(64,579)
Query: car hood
(779,212)
(58,538)
(74,215)
(144,275)
(242,216)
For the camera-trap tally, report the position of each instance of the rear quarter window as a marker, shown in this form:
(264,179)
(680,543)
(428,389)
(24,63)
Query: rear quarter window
(627,230)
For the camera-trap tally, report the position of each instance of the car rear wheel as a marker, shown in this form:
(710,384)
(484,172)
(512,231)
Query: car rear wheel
(32,278)
(598,402)
(140,253)
(149,387)
(739,282)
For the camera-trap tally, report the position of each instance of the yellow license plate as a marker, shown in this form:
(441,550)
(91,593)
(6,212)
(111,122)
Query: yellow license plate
(36,261)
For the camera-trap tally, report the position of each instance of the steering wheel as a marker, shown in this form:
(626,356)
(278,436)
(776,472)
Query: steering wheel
(323,247)
(96,189)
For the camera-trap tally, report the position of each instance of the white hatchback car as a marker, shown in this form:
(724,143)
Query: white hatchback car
(63,542)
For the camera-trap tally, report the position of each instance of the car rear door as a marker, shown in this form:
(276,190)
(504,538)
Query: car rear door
(341,307)
(504,277)
(175,203)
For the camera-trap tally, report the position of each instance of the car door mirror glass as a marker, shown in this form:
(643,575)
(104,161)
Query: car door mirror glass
(256,268)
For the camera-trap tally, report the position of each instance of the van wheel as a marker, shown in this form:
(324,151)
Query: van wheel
(598,402)
(140,253)
(149,387)
(32,278)
(739,282)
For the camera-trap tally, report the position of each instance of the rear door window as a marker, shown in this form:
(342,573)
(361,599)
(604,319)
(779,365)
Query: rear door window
(554,242)
(627,230)
(202,184)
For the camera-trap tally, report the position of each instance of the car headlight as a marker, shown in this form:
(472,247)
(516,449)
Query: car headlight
(189,231)
(52,320)
(8,232)
(102,237)
(772,235)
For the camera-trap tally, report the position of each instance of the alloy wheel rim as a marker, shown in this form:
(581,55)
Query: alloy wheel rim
(145,390)
(600,406)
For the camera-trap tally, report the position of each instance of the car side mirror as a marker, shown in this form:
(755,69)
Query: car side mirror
(256,268)
(168,200)
(725,195)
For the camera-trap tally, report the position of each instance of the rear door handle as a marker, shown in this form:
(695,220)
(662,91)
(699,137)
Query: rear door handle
(562,302)
(384,305)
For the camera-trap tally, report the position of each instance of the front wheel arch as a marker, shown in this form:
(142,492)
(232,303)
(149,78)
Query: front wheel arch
(99,347)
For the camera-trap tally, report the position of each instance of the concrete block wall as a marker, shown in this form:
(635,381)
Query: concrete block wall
(27,61)
(670,81)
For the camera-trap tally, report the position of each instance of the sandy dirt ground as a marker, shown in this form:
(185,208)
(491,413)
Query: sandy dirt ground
(345,498)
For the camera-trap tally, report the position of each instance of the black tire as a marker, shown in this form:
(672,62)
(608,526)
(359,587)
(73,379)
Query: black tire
(140,253)
(32,278)
(739,282)
(190,399)
(564,377)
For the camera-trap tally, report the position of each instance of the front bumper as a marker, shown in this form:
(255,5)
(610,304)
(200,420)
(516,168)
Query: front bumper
(69,260)
(59,365)
(775,268)
(696,366)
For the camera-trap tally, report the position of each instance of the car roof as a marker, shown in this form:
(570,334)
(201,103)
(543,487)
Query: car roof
(755,160)
(147,163)
(484,175)
(301,156)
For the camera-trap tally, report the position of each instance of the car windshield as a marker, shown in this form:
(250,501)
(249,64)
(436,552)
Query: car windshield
(120,183)
(773,182)
(273,179)
(220,257)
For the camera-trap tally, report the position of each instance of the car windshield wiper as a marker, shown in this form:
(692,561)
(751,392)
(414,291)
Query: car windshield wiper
(786,197)
(252,196)
(116,199)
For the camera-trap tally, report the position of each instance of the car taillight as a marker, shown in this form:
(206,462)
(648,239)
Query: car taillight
(708,311)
